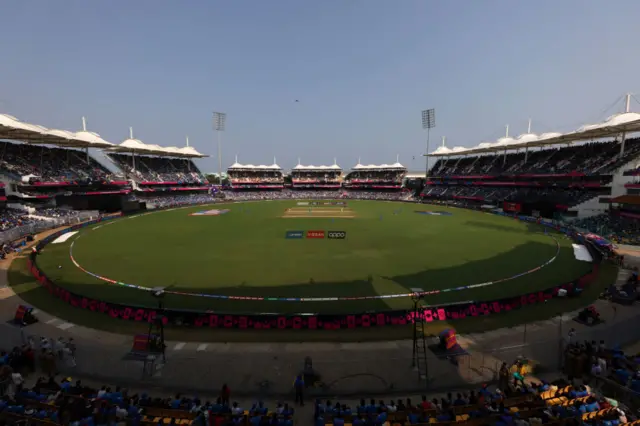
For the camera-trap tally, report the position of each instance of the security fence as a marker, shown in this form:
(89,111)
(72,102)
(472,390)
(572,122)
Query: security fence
(356,369)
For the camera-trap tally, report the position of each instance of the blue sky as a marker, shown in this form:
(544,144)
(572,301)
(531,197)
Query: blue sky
(361,69)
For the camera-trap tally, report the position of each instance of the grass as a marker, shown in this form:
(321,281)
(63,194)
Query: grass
(29,290)
(244,253)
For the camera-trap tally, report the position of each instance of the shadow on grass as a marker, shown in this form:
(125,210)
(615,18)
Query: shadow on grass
(502,266)
(29,290)
(531,227)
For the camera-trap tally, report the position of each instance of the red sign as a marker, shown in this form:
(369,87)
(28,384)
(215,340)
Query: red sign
(315,234)
(511,207)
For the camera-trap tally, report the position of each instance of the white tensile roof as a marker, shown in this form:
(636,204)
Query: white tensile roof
(13,129)
(334,167)
(136,145)
(628,122)
(237,165)
(375,167)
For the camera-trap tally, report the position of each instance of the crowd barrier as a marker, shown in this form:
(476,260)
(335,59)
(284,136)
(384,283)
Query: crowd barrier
(18,232)
(311,321)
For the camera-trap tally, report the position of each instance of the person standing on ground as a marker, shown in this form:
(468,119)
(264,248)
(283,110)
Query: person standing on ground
(503,377)
(225,395)
(298,384)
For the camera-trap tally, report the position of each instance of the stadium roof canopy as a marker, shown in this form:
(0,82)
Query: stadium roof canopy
(13,129)
(136,146)
(628,122)
(395,166)
(316,168)
(238,166)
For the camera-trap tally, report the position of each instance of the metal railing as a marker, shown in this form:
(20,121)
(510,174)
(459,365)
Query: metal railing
(617,391)
(18,232)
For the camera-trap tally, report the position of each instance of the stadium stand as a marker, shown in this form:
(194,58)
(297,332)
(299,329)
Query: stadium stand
(520,404)
(250,177)
(616,228)
(51,403)
(384,176)
(175,200)
(516,400)
(10,218)
(587,159)
(320,177)
(147,170)
(38,163)
(550,179)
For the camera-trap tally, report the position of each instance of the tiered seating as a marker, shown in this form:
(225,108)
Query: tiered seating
(613,227)
(176,200)
(49,403)
(623,368)
(255,177)
(159,169)
(564,177)
(186,199)
(538,404)
(49,164)
(11,218)
(320,177)
(592,158)
(376,177)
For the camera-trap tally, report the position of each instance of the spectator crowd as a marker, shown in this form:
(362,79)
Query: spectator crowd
(186,199)
(559,196)
(49,163)
(11,218)
(615,228)
(591,158)
(158,169)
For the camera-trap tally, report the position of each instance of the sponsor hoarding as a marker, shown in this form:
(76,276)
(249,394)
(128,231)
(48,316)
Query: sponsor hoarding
(303,203)
(326,203)
(336,235)
(511,207)
(214,212)
(315,234)
(292,235)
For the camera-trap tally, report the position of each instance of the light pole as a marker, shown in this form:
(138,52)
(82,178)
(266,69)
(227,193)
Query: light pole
(219,119)
(428,122)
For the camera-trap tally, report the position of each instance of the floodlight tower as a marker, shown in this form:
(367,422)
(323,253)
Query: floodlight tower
(219,121)
(428,123)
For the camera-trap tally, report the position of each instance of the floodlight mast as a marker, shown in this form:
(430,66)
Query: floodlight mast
(428,123)
(219,122)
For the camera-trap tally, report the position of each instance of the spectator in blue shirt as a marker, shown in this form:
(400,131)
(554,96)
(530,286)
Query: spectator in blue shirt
(298,384)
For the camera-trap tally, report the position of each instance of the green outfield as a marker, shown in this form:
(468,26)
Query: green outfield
(388,249)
